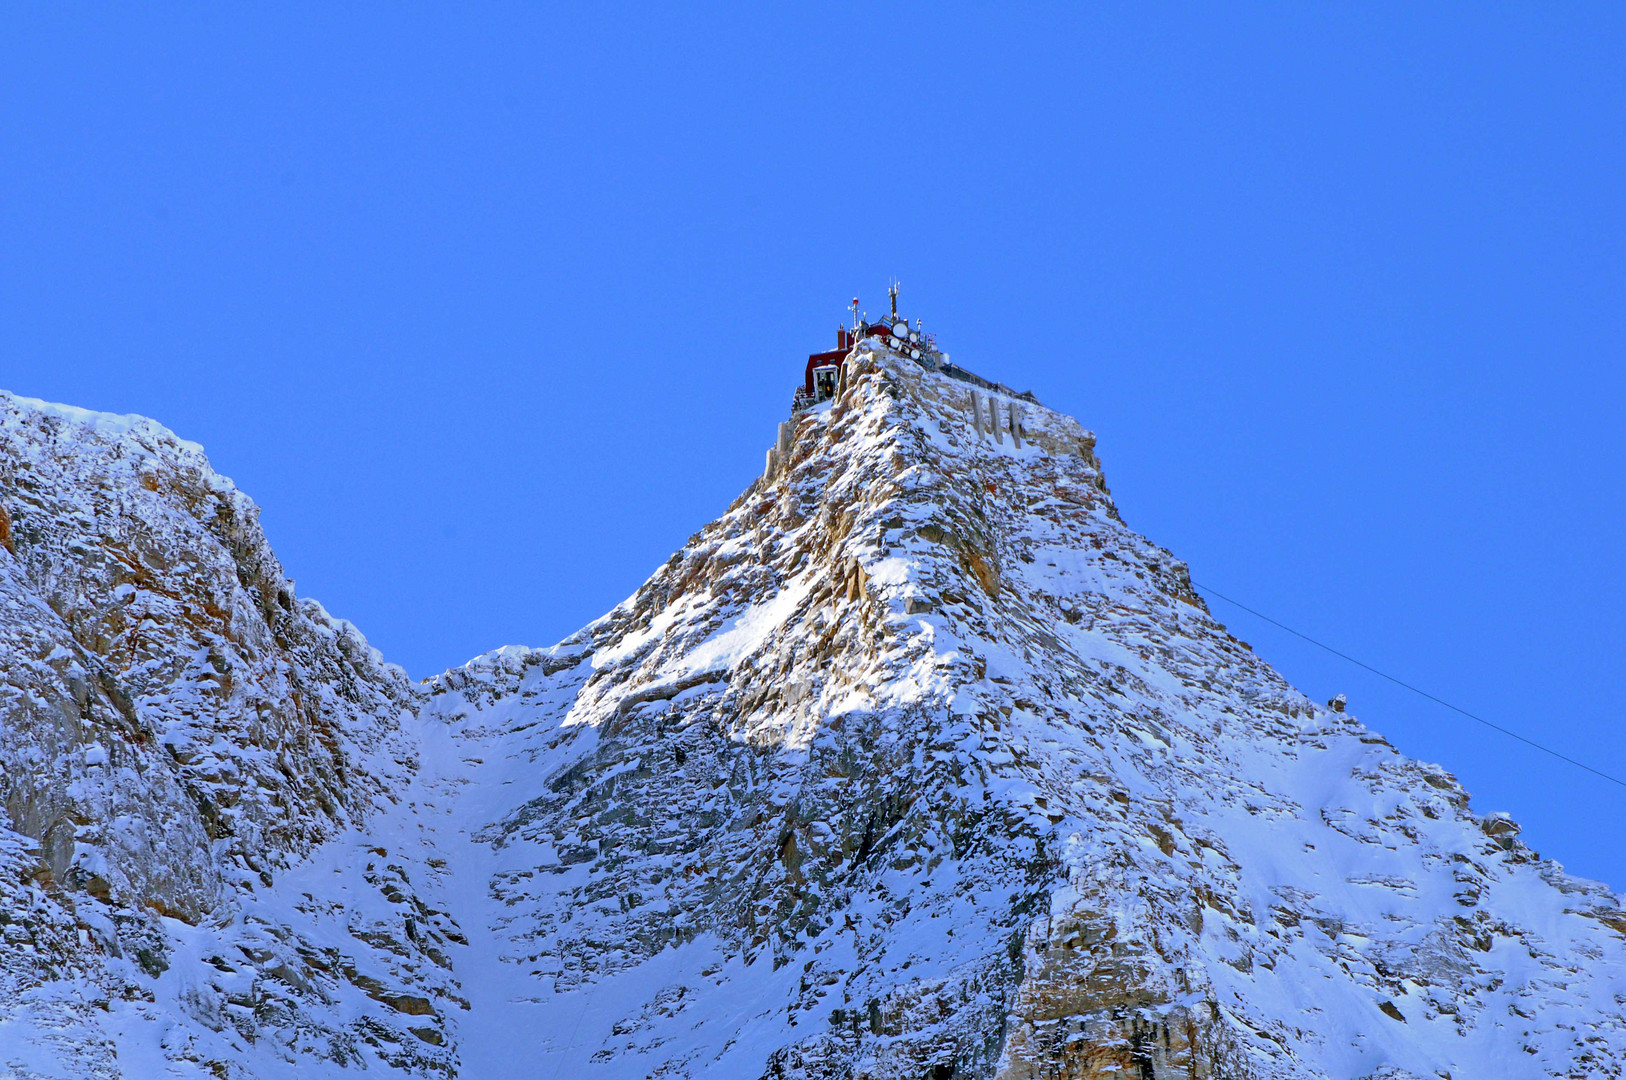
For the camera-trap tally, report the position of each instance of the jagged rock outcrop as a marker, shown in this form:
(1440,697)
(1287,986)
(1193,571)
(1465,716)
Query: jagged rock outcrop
(917,762)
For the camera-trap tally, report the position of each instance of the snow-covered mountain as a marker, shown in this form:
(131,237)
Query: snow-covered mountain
(917,762)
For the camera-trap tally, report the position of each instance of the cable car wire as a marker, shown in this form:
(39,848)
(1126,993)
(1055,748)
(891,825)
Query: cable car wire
(1406,685)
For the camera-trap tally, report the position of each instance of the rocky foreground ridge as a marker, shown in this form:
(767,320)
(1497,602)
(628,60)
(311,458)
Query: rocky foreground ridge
(917,762)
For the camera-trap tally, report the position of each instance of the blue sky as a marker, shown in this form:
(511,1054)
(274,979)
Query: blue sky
(491,307)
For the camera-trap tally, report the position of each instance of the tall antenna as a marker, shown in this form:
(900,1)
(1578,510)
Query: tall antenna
(855,316)
(892,291)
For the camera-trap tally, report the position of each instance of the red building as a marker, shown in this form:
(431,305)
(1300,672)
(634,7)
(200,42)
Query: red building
(831,363)
(824,368)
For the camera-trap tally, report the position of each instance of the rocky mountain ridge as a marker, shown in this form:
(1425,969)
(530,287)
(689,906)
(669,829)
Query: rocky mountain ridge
(915,762)
(178,732)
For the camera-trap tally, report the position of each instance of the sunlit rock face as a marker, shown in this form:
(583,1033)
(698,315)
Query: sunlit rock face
(916,762)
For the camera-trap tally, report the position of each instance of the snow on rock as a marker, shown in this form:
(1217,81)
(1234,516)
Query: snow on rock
(177,731)
(917,762)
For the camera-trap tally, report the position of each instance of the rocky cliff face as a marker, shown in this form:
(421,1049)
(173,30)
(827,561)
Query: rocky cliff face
(177,730)
(915,763)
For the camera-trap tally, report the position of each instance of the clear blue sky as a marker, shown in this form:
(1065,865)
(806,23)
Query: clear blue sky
(491,306)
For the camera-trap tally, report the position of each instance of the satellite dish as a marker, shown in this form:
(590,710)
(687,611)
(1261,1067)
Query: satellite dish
(914,354)
(899,330)
(913,336)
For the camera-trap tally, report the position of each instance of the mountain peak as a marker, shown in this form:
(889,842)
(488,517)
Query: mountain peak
(916,762)
(922,751)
